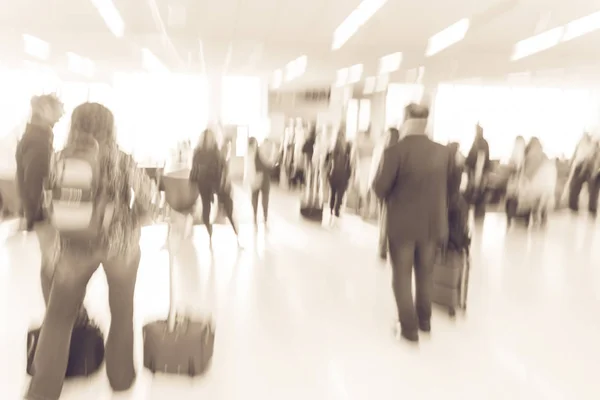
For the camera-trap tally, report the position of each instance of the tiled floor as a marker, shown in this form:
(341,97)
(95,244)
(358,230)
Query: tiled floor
(306,313)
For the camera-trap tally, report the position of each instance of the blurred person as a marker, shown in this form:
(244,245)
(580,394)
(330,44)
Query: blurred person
(340,172)
(391,137)
(75,261)
(33,155)
(537,190)
(206,169)
(517,157)
(225,190)
(477,166)
(257,172)
(308,149)
(413,182)
(583,171)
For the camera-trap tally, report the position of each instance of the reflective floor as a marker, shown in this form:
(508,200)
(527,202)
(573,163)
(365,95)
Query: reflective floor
(306,312)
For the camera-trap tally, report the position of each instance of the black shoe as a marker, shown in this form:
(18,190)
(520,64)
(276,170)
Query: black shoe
(412,337)
(425,327)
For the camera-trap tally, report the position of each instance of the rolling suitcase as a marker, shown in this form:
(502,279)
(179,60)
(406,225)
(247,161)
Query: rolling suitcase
(451,280)
(178,345)
(86,353)
(311,204)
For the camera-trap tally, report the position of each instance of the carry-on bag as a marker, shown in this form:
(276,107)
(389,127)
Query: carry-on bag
(86,353)
(451,280)
(311,204)
(178,345)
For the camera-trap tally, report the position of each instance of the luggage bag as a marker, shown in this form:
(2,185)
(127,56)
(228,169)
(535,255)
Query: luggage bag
(451,280)
(311,204)
(86,353)
(178,345)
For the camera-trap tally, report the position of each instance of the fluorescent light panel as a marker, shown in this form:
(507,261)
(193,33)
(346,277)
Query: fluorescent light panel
(390,63)
(277,79)
(151,63)
(545,40)
(112,17)
(36,47)
(295,68)
(370,83)
(341,77)
(448,37)
(80,65)
(537,43)
(581,26)
(357,18)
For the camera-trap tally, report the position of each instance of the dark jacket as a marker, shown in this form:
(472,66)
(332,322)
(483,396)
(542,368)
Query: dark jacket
(206,169)
(479,144)
(34,152)
(413,182)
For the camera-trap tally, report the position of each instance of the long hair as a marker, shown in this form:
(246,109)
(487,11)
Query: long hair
(208,140)
(92,121)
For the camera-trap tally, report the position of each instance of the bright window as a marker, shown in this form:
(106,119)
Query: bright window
(556,116)
(241,100)
(399,96)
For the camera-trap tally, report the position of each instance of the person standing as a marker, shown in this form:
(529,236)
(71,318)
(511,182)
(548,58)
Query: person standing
(413,181)
(206,169)
(339,161)
(33,155)
(259,163)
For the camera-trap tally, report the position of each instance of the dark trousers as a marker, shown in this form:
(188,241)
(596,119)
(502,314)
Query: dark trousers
(336,197)
(67,286)
(226,200)
(264,191)
(579,179)
(383,228)
(404,257)
(207,198)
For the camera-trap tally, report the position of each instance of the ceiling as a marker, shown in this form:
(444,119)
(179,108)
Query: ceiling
(255,37)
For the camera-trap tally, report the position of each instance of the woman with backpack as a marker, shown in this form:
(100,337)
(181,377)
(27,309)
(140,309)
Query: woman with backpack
(206,170)
(109,236)
(339,162)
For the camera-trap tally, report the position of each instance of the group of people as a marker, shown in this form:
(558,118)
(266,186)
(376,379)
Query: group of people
(123,197)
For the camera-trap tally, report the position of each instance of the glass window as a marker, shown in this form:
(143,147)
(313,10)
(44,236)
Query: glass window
(241,99)
(352,119)
(241,141)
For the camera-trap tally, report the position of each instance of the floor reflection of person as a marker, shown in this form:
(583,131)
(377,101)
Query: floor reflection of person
(117,249)
(413,182)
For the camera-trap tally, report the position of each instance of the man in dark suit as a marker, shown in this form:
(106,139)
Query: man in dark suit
(413,182)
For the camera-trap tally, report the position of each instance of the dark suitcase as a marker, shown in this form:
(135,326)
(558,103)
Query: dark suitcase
(182,347)
(312,213)
(511,208)
(311,204)
(451,280)
(86,354)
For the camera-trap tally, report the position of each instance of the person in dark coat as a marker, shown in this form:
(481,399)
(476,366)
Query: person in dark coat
(413,182)
(33,155)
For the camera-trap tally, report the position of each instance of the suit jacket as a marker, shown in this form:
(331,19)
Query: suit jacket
(413,181)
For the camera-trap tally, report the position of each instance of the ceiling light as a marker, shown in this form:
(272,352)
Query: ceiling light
(295,68)
(112,17)
(36,47)
(370,83)
(80,65)
(537,43)
(341,77)
(355,73)
(448,37)
(151,63)
(390,63)
(581,26)
(382,83)
(277,79)
(357,18)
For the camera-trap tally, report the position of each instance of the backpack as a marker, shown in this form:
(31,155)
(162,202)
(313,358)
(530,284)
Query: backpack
(78,208)
(341,167)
